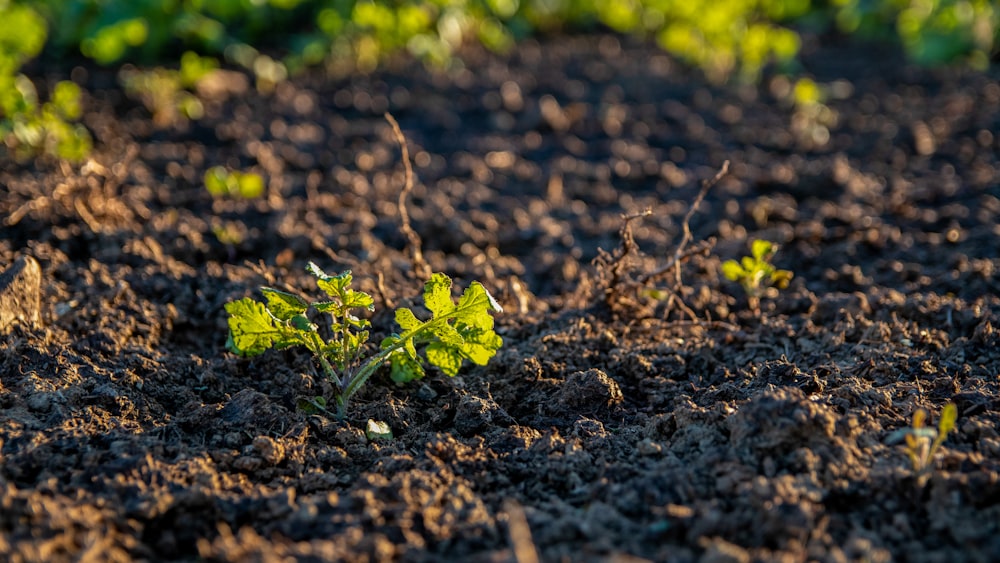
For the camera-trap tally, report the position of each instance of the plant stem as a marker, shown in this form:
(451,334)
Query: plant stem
(343,339)
(373,363)
(368,369)
(328,368)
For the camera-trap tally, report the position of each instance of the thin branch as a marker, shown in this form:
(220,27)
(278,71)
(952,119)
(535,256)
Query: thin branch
(628,246)
(420,266)
(679,253)
(617,263)
(383,294)
(702,248)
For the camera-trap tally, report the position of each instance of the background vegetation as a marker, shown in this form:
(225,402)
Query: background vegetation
(727,39)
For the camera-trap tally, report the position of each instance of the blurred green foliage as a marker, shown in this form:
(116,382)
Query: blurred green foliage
(221,182)
(725,38)
(932,32)
(28,126)
(166,92)
(722,37)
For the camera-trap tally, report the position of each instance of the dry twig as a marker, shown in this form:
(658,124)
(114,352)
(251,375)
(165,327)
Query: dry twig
(420,266)
(618,264)
(679,254)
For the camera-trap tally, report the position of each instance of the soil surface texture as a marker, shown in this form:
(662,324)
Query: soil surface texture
(626,418)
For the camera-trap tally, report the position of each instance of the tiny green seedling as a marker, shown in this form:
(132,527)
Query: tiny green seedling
(453,334)
(922,443)
(221,182)
(168,93)
(755,273)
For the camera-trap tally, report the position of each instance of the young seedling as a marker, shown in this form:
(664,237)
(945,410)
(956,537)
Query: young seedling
(922,443)
(755,273)
(453,334)
(221,182)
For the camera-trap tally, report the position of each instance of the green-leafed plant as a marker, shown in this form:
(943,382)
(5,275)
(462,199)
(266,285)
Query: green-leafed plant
(932,32)
(28,126)
(922,443)
(221,182)
(755,273)
(166,93)
(725,38)
(454,333)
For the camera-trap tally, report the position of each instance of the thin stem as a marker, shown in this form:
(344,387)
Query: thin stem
(327,368)
(343,338)
(369,367)
(686,235)
(420,266)
(341,406)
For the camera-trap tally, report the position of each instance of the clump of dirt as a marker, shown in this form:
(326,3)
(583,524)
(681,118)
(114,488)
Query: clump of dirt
(694,431)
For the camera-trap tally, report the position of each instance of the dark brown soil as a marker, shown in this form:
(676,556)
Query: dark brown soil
(128,432)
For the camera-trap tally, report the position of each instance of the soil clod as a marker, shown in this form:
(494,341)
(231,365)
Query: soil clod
(20,294)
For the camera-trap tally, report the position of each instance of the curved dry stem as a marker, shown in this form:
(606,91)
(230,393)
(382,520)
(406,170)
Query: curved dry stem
(420,266)
(679,254)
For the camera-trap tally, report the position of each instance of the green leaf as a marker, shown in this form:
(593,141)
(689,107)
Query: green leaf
(331,307)
(334,286)
(315,270)
(404,368)
(456,333)
(781,278)
(216,181)
(355,340)
(252,329)
(249,185)
(761,249)
(732,270)
(444,357)
(338,287)
(312,405)
(406,319)
(355,322)
(448,334)
(437,295)
(358,300)
(481,345)
(948,417)
(475,344)
(474,307)
(284,305)
(411,350)
(301,322)
(66,99)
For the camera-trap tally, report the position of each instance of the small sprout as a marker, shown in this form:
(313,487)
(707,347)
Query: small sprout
(194,68)
(922,443)
(221,182)
(167,93)
(455,333)
(756,274)
(229,233)
(30,128)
